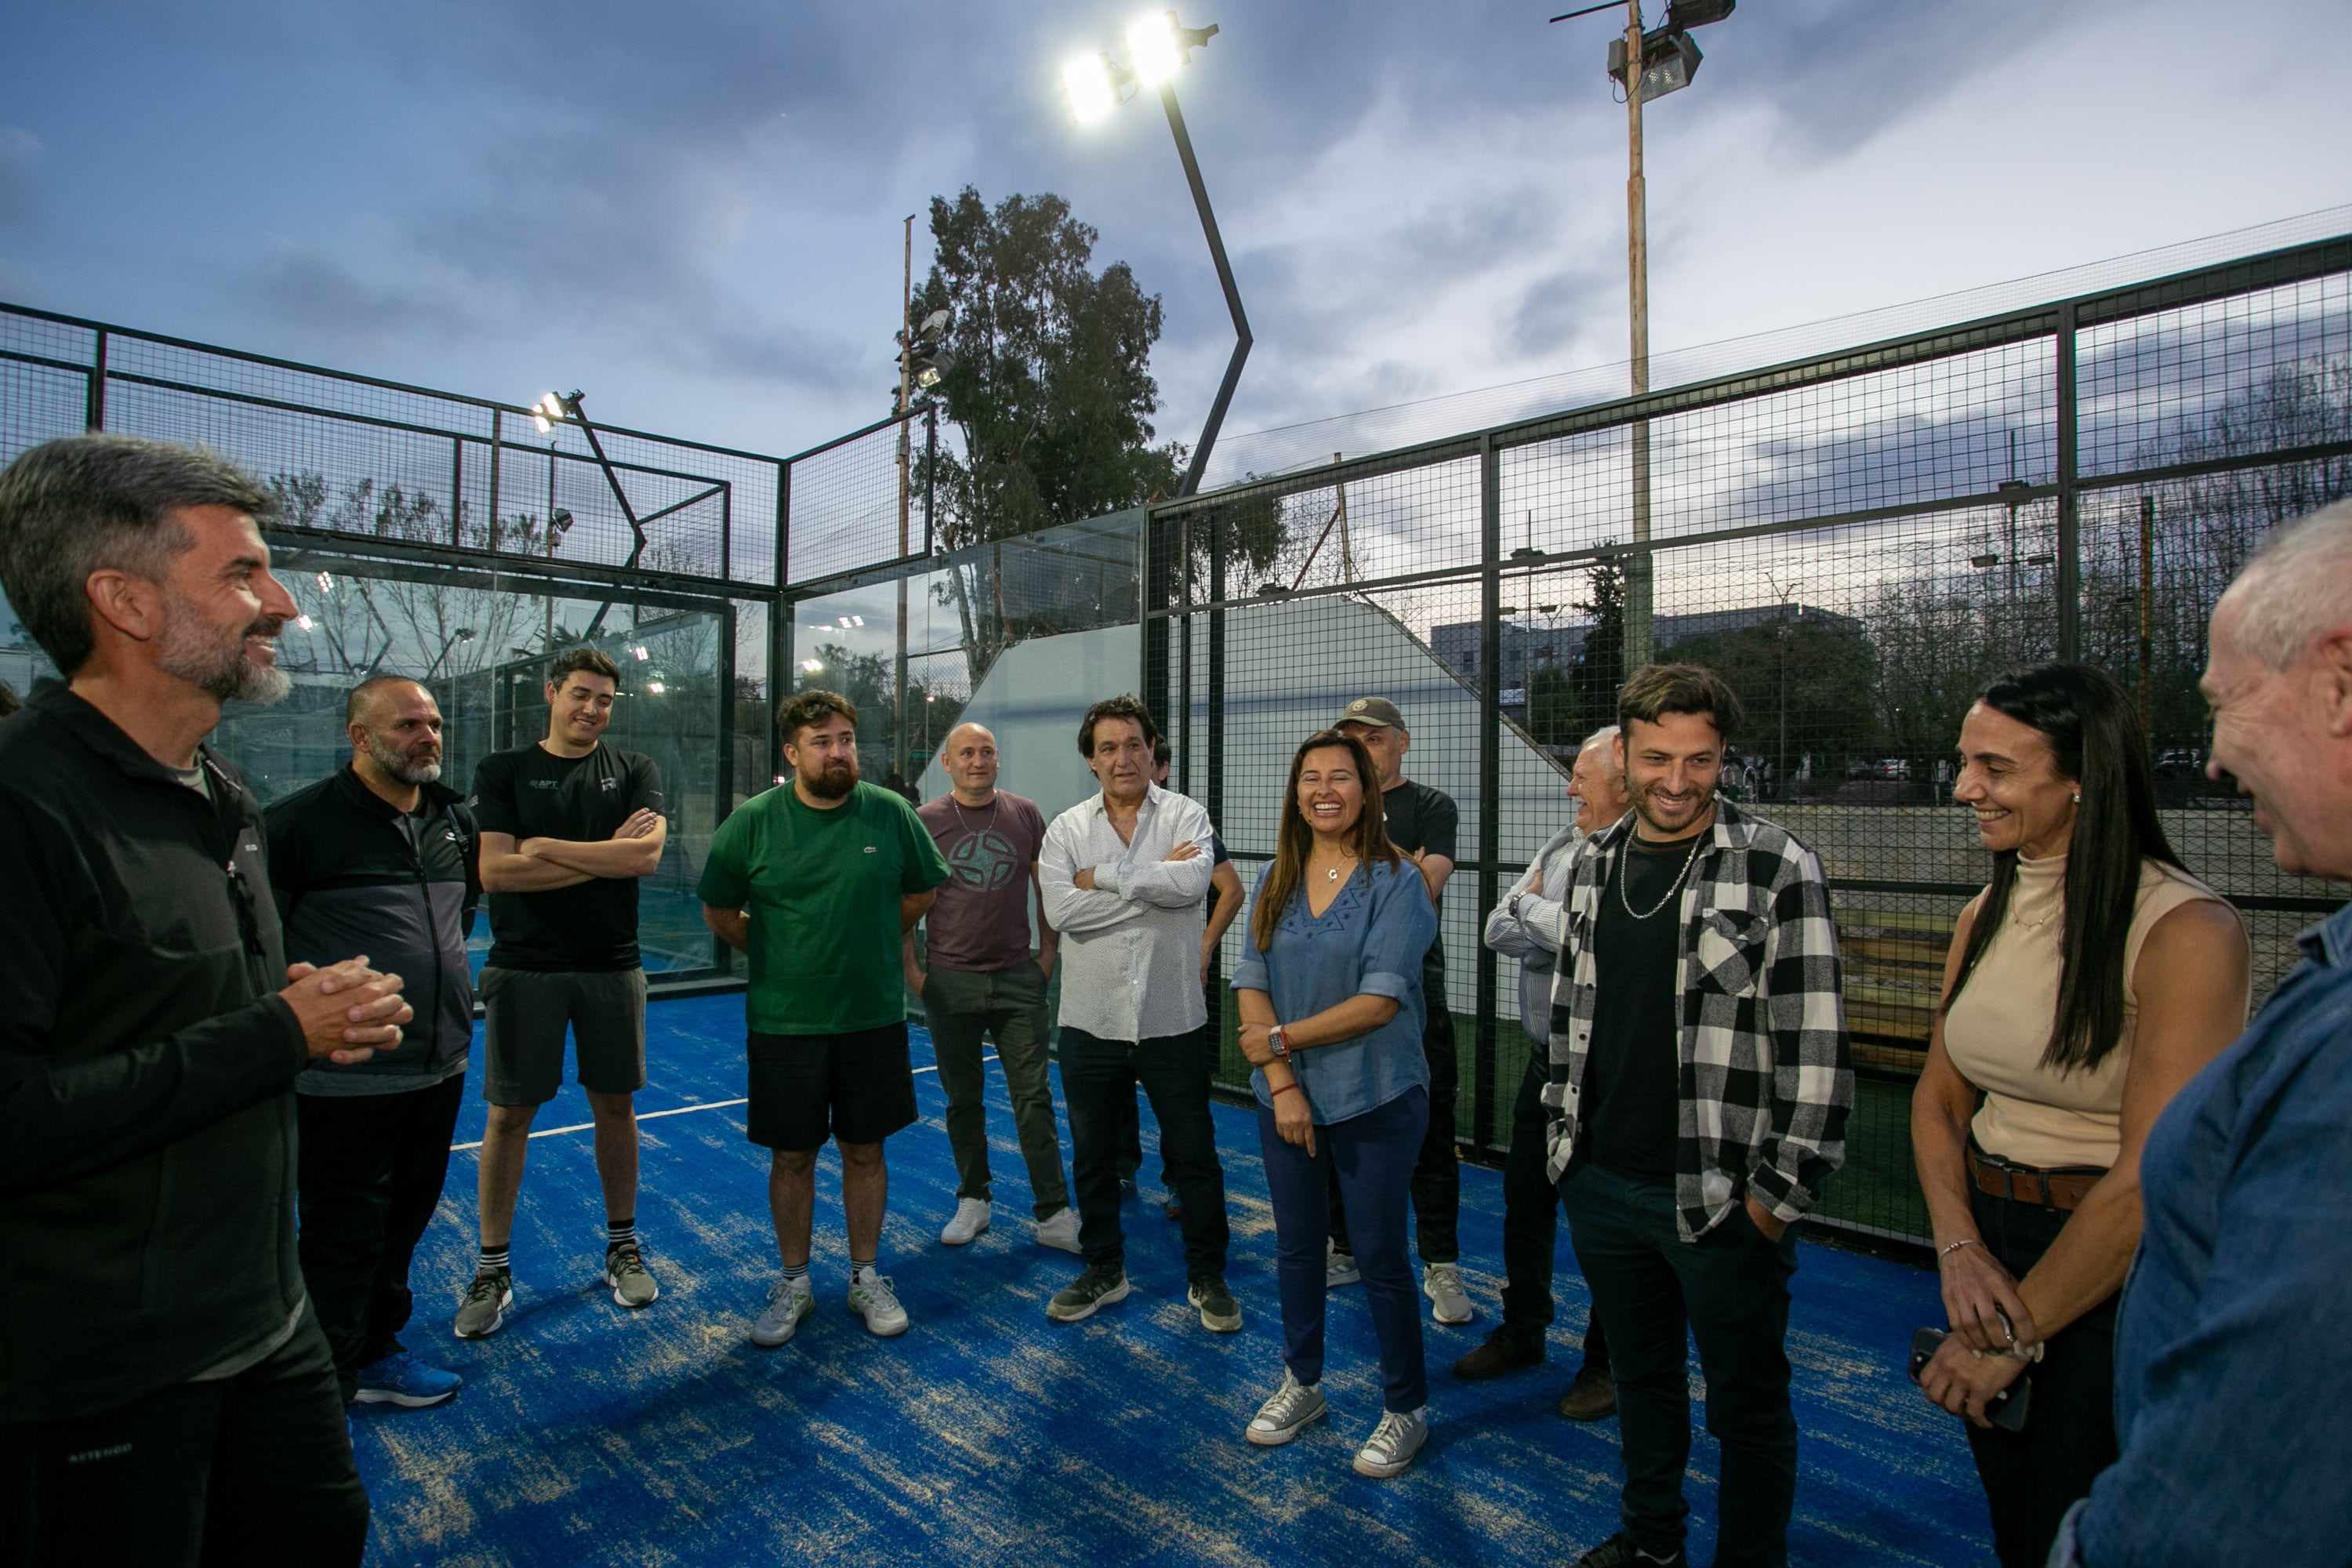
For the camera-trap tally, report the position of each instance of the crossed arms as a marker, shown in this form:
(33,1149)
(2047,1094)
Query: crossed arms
(542,865)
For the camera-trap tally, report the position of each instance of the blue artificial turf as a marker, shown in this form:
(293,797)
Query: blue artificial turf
(989,1434)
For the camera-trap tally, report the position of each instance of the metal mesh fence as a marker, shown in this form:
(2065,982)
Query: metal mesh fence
(1857,542)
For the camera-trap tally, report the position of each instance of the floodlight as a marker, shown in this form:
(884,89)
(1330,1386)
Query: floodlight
(1151,44)
(812,665)
(1093,89)
(303,622)
(936,322)
(654,688)
(539,419)
(562,522)
(326,582)
(1669,59)
(1681,13)
(641,652)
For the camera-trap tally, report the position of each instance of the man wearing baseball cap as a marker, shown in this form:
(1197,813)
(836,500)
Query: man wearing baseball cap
(1421,821)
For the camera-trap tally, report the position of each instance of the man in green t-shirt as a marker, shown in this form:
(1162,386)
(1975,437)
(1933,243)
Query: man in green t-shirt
(817,882)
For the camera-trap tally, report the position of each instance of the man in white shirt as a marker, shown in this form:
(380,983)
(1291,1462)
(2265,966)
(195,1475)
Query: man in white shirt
(1123,875)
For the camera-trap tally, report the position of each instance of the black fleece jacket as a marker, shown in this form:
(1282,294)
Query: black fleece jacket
(147,1069)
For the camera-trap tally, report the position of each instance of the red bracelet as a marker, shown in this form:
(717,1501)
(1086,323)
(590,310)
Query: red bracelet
(1286,1088)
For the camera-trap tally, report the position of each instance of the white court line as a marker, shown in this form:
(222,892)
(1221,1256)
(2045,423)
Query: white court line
(649,1115)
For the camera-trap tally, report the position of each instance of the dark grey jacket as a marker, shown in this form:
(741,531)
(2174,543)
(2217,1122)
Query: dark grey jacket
(147,1070)
(349,880)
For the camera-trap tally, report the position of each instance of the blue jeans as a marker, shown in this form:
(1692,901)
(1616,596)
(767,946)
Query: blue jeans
(1098,1079)
(1372,1159)
(1729,1291)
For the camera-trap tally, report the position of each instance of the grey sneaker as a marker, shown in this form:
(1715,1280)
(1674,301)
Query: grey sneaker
(971,1217)
(1338,1267)
(484,1311)
(1098,1287)
(1448,1302)
(1059,1229)
(877,1300)
(1220,1313)
(789,1301)
(1394,1443)
(624,1270)
(1281,1417)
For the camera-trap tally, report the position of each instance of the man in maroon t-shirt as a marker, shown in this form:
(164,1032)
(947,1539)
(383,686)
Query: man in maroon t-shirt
(983,979)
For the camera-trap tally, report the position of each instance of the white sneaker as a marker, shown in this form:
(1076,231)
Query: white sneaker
(1338,1267)
(789,1300)
(1059,1229)
(1448,1302)
(1279,1420)
(877,1301)
(1394,1443)
(970,1218)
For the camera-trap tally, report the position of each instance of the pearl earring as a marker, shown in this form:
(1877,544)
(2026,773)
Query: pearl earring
(2078,797)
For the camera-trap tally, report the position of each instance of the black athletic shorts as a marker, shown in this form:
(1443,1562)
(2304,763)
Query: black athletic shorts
(858,1086)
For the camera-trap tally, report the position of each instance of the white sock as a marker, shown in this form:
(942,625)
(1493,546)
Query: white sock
(862,1273)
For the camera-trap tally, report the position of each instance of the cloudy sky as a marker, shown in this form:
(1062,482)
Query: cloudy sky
(692,209)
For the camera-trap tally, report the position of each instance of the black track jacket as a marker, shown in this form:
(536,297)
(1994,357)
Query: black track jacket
(348,881)
(147,1070)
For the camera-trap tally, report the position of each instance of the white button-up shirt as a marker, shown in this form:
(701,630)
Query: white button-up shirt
(1131,944)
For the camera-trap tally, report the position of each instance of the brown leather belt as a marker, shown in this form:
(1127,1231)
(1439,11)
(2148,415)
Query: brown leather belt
(2061,1190)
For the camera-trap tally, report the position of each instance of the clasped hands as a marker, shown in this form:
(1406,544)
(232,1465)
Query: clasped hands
(1991,1330)
(347,1011)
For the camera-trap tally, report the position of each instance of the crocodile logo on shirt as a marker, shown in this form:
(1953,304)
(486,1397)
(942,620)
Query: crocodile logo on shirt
(984,861)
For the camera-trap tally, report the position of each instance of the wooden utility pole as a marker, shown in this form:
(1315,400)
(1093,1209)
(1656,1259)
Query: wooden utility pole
(906,491)
(1637,268)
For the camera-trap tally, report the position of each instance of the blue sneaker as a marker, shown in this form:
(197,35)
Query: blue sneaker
(400,1378)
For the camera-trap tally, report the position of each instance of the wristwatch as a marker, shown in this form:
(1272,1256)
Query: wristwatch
(1280,1040)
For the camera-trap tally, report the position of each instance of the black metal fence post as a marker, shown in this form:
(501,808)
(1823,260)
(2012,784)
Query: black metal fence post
(94,397)
(2070,536)
(1490,780)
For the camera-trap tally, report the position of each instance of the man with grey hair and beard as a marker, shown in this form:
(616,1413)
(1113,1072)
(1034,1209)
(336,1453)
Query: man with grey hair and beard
(2231,1354)
(165,1392)
(378,857)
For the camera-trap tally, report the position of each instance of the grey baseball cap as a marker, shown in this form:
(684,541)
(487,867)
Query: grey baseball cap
(1376,712)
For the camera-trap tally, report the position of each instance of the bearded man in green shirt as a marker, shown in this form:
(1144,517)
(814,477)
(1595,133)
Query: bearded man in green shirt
(817,882)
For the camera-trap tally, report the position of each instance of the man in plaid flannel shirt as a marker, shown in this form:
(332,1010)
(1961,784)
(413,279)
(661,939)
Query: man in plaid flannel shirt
(1700,1086)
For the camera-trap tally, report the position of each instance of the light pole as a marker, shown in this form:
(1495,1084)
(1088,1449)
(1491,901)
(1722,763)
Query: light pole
(1648,65)
(1156,47)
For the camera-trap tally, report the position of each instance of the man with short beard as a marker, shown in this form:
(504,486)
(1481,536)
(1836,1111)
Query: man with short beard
(818,883)
(165,1392)
(378,858)
(1700,1083)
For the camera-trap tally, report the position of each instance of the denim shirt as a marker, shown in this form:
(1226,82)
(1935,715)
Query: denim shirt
(2232,1361)
(1368,942)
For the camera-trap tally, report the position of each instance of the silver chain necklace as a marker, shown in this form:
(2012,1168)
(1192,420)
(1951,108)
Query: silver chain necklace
(995,800)
(1624,874)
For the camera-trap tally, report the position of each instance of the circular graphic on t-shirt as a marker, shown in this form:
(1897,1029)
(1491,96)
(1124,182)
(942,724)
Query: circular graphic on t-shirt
(984,861)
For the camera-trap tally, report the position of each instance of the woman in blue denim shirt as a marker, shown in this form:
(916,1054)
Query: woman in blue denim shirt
(1331,1014)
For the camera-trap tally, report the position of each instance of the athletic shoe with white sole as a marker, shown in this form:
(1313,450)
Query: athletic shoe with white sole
(1448,1302)
(971,1217)
(484,1309)
(875,1300)
(1220,1313)
(1394,1443)
(400,1378)
(1060,1230)
(625,1271)
(1280,1418)
(1338,1267)
(1098,1287)
(789,1301)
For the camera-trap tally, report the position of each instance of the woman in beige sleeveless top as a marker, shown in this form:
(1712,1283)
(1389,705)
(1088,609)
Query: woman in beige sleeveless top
(2090,981)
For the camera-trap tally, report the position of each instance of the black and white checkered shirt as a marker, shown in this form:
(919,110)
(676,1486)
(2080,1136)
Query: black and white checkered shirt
(1766,1082)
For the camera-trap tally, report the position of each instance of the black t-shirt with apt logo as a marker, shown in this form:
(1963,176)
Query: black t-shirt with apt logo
(531,794)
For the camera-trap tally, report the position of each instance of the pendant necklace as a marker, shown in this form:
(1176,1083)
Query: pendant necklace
(995,800)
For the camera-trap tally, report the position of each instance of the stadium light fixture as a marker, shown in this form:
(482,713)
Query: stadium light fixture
(813,666)
(1158,48)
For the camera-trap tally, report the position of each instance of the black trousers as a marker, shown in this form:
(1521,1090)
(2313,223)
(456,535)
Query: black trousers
(247,1469)
(1655,1292)
(1098,1079)
(368,1182)
(1531,1225)
(2032,1477)
(1437,1172)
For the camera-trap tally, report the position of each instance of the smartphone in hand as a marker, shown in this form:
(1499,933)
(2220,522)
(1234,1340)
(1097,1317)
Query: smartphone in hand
(2006,1410)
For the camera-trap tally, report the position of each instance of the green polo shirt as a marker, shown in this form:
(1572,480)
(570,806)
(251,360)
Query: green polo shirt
(822,889)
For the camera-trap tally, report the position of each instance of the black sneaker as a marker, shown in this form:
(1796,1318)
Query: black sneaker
(1592,1397)
(1098,1287)
(1506,1349)
(1618,1552)
(1220,1313)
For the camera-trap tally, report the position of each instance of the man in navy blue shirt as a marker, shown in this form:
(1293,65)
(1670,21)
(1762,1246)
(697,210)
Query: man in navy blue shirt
(2230,1353)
